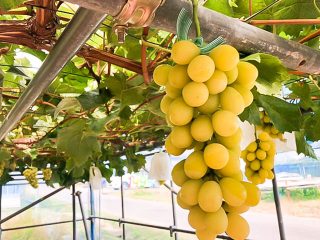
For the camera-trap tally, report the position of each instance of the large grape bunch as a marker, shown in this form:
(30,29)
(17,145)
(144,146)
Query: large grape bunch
(268,126)
(259,158)
(204,95)
(31,176)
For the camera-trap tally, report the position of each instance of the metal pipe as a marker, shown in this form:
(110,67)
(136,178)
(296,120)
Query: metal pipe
(278,207)
(122,211)
(78,194)
(38,225)
(82,25)
(173,211)
(243,36)
(74,214)
(30,205)
(92,212)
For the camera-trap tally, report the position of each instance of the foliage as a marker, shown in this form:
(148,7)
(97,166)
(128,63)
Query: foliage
(101,114)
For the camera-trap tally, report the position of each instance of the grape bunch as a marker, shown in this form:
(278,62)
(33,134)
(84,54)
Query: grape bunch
(259,158)
(2,167)
(268,126)
(31,176)
(204,96)
(47,174)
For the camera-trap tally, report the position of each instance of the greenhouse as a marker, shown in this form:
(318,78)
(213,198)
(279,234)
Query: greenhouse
(159,119)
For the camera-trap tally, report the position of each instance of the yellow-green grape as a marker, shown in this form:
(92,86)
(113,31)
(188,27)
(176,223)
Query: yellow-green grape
(210,196)
(264,137)
(181,137)
(237,176)
(238,228)
(182,204)
(233,192)
(255,179)
(171,149)
(195,94)
(180,113)
(31,176)
(217,221)
(231,100)
(205,234)
(249,172)
(253,194)
(225,123)
(160,74)
(225,57)
(184,51)
(251,156)
(247,74)
(194,166)
(178,76)
(201,68)
(47,174)
(274,130)
(201,128)
(266,119)
(240,209)
(196,218)
(165,103)
(231,141)
(232,75)
(261,155)
(255,165)
(270,175)
(268,163)
(217,82)
(216,155)
(211,105)
(232,167)
(265,146)
(244,154)
(172,91)
(178,175)
(252,147)
(263,173)
(245,93)
(189,191)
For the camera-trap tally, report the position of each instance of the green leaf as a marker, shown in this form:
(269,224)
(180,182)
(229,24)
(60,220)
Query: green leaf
(69,105)
(301,91)
(253,57)
(251,114)
(303,146)
(4,155)
(219,6)
(285,116)
(116,84)
(10,4)
(78,142)
(272,74)
(125,113)
(312,127)
(90,100)
(132,96)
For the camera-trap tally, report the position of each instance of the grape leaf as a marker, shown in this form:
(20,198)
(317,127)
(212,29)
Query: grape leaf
(4,155)
(69,105)
(312,126)
(90,100)
(301,91)
(303,146)
(285,116)
(10,4)
(251,114)
(272,74)
(78,142)
(219,6)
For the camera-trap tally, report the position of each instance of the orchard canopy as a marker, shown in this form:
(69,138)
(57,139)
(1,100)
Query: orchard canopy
(104,107)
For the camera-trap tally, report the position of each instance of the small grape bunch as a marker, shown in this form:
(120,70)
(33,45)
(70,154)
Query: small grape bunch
(31,176)
(2,166)
(47,174)
(259,158)
(269,127)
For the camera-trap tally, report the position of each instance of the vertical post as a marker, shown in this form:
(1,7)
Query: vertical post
(122,212)
(278,207)
(173,210)
(84,220)
(92,212)
(74,220)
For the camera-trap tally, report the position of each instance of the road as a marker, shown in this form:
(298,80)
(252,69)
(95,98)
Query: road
(263,225)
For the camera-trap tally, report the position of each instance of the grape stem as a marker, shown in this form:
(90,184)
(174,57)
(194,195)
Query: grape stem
(149,44)
(196,21)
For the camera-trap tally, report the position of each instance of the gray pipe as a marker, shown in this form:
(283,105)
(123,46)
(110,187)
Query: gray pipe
(83,24)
